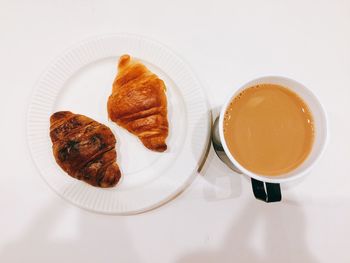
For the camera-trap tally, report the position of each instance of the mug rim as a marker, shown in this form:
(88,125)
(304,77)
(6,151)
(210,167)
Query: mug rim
(278,178)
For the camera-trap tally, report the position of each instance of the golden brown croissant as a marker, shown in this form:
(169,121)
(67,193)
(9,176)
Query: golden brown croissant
(138,103)
(84,148)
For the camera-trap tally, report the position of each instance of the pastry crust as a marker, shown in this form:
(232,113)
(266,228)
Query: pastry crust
(138,103)
(84,148)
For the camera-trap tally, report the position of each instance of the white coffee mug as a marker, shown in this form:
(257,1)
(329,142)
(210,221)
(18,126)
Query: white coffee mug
(267,188)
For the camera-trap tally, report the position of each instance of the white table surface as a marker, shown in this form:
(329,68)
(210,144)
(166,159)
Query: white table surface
(217,218)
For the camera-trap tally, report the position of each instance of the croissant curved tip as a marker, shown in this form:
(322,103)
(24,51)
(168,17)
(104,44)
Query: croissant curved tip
(155,145)
(160,148)
(124,60)
(111,177)
(59,115)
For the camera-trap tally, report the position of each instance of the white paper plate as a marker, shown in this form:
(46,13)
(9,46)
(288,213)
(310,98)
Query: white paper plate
(80,81)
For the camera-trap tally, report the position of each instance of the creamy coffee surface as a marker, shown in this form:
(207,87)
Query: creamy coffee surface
(269,129)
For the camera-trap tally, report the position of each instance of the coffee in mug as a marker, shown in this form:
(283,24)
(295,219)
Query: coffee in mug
(269,129)
(272,129)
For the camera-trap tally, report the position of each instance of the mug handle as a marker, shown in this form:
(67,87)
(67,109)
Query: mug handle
(272,193)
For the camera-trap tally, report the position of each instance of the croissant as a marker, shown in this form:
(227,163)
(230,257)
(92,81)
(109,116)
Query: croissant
(138,103)
(84,148)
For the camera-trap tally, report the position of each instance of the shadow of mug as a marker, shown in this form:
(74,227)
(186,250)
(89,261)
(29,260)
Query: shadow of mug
(267,188)
(260,233)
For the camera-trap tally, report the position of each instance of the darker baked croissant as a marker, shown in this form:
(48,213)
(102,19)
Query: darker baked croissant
(84,148)
(138,103)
